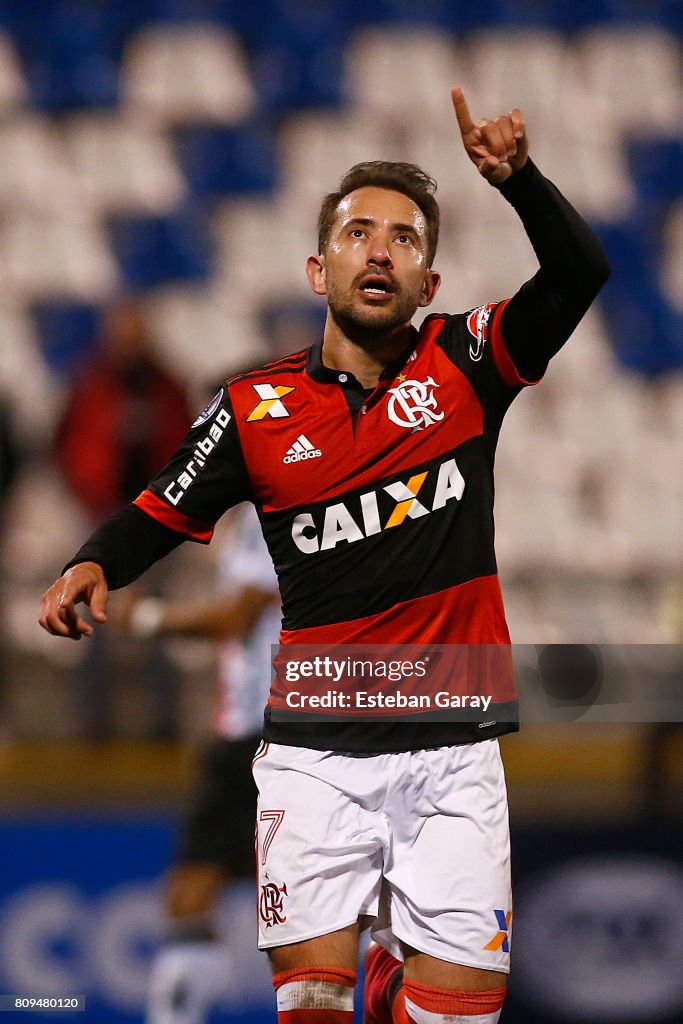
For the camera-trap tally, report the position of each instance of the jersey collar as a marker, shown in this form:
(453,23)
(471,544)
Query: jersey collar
(326,375)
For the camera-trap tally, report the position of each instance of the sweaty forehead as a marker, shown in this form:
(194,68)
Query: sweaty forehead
(383,205)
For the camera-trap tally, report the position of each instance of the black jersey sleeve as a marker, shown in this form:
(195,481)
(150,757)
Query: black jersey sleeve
(125,545)
(545,311)
(503,346)
(206,476)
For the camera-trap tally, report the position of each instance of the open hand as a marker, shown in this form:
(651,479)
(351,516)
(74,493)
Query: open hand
(83,582)
(497,148)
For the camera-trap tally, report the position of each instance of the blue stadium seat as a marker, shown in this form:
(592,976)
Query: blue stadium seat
(656,166)
(220,161)
(247,19)
(299,58)
(154,251)
(458,17)
(67,59)
(67,333)
(119,21)
(645,331)
(668,13)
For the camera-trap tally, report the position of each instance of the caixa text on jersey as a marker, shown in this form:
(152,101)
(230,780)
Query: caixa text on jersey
(372,512)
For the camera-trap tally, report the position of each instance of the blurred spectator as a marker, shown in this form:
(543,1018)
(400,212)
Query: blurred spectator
(124,418)
(122,421)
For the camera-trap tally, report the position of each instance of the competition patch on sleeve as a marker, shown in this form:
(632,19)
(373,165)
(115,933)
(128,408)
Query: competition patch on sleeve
(210,409)
(478,326)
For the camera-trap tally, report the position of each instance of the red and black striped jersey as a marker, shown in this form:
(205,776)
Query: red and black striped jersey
(377,508)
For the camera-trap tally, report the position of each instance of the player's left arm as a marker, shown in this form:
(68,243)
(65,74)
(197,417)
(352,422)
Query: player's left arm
(545,311)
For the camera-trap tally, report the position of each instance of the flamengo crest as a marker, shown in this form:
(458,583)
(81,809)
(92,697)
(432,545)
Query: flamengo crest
(412,404)
(271,908)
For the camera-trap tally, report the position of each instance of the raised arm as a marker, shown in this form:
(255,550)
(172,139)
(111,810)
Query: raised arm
(545,311)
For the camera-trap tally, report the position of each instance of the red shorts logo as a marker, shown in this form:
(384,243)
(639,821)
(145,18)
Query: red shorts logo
(271,905)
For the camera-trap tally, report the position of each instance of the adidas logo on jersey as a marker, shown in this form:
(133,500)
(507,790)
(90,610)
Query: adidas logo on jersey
(301,449)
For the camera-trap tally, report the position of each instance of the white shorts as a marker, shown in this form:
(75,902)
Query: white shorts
(418,841)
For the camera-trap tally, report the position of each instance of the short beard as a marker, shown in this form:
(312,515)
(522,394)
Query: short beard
(371,332)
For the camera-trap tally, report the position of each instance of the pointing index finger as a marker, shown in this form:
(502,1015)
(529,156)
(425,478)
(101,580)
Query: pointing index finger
(465,122)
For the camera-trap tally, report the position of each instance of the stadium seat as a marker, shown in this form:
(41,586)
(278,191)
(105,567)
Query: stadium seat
(26,381)
(220,161)
(667,13)
(402,73)
(34,171)
(48,255)
(225,323)
(315,149)
(532,68)
(122,165)
(656,165)
(66,333)
(592,172)
(153,251)
(635,72)
(438,14)
(262,247)
(67,58)
(557,14)
(186,73)
(646,332)
(298,56)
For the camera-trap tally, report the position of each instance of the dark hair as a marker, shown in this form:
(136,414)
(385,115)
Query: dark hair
(409,179)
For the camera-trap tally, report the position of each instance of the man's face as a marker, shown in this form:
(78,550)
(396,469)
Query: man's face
(375,272)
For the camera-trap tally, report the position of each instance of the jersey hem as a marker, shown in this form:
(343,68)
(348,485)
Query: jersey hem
(348,738)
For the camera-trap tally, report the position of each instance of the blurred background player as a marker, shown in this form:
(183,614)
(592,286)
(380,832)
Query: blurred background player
(192,970)
(124,415)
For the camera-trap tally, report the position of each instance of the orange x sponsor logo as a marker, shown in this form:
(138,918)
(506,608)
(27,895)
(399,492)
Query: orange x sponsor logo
(501,940)
(408,505)
(270,404)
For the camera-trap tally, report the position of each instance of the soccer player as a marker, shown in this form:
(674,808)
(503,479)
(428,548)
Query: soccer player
(370,459)
(192,969)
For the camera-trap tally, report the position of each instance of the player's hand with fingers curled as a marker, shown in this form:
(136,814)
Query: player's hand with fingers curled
(85,583)
(498,148)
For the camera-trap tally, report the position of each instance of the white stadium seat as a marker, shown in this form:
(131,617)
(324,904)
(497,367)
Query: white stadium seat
(195,73)
(34,172)
(314,150)
(204,334)
(123,165)
(533,69)
(263,246)
(402,74)
(24,376)
(50,257)
(635,74)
